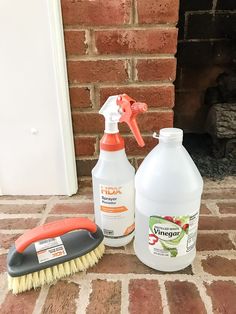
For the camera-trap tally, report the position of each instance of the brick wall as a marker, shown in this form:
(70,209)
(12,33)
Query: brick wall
(206,48)
(119,46)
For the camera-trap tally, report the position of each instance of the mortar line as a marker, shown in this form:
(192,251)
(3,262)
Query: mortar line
(71,215)
(20,216)
(3,287)
(135,12)
(164,298)
(111,57)
(152,110)
(41,299)
(205,297)
(164,277)
(200,12)
(214,4)
(213,207)
(232,237)
(78,200)
(47,210)
(222,253)
(24,202)
(84,296)
(185,25)
(210,40)
(3,251)
(130,84)
(124,27)
(124,295)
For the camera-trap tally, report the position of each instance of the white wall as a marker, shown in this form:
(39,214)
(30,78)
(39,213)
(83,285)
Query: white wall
(36,145)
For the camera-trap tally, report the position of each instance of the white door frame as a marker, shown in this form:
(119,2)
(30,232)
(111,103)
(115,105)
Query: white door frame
(58,46)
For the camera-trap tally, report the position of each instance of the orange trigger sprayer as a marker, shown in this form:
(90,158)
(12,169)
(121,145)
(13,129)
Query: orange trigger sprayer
(130,109)
(113,175)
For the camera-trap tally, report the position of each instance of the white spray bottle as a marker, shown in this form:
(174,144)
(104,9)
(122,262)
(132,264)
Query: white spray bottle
(113,175)
(168,196)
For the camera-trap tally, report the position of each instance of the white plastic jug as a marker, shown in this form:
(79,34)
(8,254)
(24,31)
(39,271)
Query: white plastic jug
(168,195)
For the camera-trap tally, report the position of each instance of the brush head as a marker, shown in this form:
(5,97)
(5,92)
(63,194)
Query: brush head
(52,274)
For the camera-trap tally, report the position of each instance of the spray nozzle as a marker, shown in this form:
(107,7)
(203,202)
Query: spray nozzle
(130,109)
(122,108)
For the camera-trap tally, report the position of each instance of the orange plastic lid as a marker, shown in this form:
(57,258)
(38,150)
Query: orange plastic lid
(112,142)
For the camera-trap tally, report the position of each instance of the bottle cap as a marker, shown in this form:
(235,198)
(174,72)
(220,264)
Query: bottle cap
(168,135)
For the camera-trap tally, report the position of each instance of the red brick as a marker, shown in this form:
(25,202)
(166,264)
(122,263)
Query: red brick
(220,194)
(204,210)
(132,148)
(54,218)
(69,208)
(97,71)
(80,97)
(105,297)
(183,297)
(214,241)
(3,263)
(125,264)
(85,166)
(85,187)
(22,303)
(156,69)
(216,223)
(88,123)
(75,42)
(20,209)
(154,121)
(157,11)
(150,41)
(18,223)
(61,298)
(6,240)
(227,208)
(144,296)
(154,96)
(219,266)
(85,146)
(96,12)
(222,302)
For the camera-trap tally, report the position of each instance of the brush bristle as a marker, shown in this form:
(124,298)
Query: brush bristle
(51,274)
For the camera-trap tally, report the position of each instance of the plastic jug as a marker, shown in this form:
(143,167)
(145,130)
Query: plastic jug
(168,195)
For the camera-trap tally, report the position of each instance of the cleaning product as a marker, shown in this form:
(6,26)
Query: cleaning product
(168,194)
(49,252)
(113,175)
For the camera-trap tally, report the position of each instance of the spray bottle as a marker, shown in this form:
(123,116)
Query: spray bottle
(113,175)
(168,196)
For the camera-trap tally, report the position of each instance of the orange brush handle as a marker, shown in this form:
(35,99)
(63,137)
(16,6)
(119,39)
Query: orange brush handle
(53,229)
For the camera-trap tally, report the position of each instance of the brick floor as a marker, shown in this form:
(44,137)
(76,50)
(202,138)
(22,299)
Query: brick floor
(120,283)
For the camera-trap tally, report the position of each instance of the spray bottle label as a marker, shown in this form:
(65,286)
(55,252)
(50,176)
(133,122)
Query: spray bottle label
(117,209)
(173,236)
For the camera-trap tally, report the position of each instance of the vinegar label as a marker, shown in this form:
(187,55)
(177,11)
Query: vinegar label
(172,236)
(117,209)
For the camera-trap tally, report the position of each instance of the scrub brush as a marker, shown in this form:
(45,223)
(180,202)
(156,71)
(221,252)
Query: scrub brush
(49,252)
